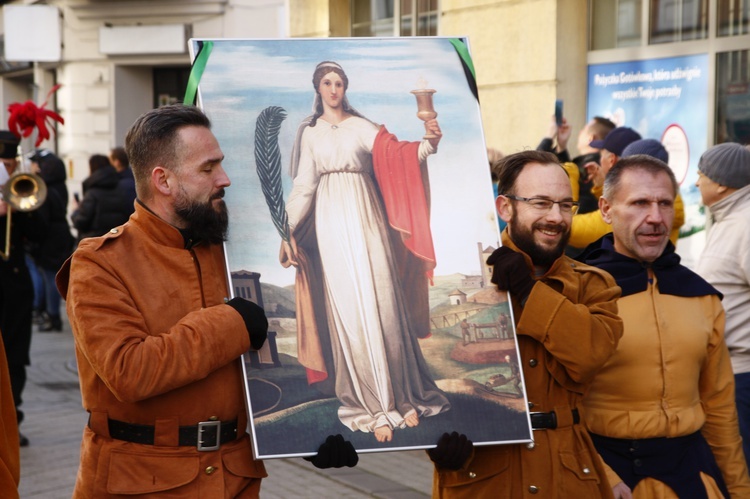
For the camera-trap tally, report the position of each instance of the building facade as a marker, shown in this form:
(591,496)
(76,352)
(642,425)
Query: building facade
(121,58)
(116,62)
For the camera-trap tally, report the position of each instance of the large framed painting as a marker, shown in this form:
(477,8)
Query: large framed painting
(361,216)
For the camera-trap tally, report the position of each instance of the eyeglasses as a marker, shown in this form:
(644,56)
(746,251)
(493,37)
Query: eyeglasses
(545,205)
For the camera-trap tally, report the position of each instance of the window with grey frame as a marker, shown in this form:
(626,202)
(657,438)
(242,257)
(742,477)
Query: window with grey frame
(733,97)
(733,17)
(678,20)
(377,17)
(615,23)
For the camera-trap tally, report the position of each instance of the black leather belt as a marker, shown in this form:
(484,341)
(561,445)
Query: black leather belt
(548,420)
(205,436)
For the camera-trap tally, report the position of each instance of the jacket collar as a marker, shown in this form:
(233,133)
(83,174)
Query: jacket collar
(735,201)
(157,229)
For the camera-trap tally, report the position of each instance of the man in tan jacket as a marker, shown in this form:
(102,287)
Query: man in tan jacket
(661,411)
(567,327)
(158,342)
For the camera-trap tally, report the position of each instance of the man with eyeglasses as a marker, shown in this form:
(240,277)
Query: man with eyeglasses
(567,327)
(661,411)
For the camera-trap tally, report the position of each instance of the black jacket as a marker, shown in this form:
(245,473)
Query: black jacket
(127,188)
(57,244)
(102,206)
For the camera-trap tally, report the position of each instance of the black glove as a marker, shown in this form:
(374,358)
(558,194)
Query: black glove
(510,273)
(452,451)
(335,452)
(255,320)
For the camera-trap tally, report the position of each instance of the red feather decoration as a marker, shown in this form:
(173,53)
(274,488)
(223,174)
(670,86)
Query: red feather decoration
(24,118)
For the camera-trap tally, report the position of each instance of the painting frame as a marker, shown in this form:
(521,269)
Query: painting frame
(446,361)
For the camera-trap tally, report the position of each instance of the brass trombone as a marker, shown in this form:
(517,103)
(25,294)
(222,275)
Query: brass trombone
(23,191)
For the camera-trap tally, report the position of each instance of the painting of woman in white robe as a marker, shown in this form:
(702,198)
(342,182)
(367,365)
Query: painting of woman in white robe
(360,241)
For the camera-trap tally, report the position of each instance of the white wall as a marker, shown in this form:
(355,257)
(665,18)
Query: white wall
(133,89)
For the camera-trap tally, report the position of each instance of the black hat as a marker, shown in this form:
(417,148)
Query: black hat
(649,147)
(8,144)
(617,140)
(39,155)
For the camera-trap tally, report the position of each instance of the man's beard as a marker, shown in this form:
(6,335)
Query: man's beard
(524,238)
(204,222)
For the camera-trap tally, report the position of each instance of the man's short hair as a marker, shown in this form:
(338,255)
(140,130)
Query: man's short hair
(641,162)
(97,162)
(508,168)
(153,140)
(120,155)
(601,127)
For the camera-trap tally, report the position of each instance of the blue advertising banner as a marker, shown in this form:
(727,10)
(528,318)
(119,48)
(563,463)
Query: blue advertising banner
(663,99)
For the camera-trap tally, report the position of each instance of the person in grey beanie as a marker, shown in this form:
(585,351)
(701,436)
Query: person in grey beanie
(724,184)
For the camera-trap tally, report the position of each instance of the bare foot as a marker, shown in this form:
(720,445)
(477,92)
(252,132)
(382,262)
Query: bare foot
(412,419)
(383,433)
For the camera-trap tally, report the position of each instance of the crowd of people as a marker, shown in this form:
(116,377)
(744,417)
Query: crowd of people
(667,413)
(657,404)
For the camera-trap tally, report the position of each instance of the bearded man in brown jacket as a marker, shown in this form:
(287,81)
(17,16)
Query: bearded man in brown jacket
(567,327)
(158,342)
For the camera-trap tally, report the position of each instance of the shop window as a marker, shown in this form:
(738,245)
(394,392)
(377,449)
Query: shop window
(615,23)
(733,97)
(377,17)
(169,85)
(425,14)
(678,20)
(733,17)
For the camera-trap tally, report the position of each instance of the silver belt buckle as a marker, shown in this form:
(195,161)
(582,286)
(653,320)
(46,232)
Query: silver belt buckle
(204,446)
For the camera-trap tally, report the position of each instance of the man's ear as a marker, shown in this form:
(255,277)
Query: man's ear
(605,207)
(504,208)
(160,178)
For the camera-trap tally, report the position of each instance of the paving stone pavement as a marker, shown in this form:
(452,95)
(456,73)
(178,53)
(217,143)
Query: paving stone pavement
(55,419)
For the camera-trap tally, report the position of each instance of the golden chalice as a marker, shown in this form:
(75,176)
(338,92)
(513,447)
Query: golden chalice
(425,109)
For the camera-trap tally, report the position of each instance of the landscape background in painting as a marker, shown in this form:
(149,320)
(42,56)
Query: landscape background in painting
(243,77)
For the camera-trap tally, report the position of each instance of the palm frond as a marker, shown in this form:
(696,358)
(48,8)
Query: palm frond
(268,165)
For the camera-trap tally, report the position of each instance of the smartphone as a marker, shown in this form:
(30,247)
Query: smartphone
(559,112)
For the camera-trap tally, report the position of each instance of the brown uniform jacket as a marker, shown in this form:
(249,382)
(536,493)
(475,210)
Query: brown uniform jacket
(567,330)
(156,345)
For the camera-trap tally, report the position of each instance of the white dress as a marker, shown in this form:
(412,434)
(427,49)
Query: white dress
(380,374)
